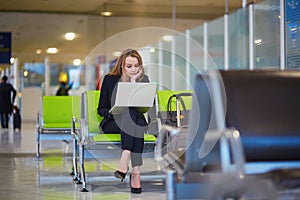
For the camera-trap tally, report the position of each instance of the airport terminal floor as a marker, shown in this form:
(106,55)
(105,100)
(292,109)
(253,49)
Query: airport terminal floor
(26,177)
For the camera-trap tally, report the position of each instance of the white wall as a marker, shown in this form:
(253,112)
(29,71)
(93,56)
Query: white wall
(30,103)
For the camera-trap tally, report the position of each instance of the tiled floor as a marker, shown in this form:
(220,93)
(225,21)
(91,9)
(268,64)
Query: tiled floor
(25,177)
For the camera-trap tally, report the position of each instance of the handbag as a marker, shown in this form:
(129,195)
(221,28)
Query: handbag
(174,118)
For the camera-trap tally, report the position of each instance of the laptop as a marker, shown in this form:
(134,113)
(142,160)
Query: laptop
(140,95)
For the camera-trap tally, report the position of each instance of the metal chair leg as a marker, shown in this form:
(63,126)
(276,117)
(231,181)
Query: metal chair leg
(38,145)
(74,172)
(82,171)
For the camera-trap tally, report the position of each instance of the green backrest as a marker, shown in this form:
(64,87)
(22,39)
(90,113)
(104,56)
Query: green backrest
(57,111)
(94,118)
(164,95)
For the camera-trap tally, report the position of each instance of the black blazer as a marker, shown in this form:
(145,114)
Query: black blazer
(108,96)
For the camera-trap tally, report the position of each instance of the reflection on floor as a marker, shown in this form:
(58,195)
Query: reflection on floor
(25,177)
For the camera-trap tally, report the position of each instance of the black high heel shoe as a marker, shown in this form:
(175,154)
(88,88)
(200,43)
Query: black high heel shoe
(120,175)
(134,190)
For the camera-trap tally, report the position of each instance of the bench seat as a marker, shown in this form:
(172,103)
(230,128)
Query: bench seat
(93,143)
(54,120)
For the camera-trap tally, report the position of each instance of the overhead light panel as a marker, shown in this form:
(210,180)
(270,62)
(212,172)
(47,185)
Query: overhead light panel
(52,50)
(70,36)
(106,13)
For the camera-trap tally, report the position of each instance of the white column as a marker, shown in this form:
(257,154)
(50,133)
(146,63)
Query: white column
(205,45)
(160,65)
(16,74)
(89,75)
(282,36)
(244,3)
(7,71)
(47,76)
(173,66)
(251,37)
(188,59)
(226,38)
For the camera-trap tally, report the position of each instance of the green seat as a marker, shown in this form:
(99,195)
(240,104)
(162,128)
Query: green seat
(117,138)
(54,122)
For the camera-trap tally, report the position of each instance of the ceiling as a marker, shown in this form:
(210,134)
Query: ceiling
(39,24)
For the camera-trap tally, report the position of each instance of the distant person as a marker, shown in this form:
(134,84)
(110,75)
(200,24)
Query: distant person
(7,98)
(64,88)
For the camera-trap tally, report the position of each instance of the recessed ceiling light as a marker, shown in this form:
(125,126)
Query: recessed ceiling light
(152,50)
(12,60)
(70,36)
(52,50)
(76,62)
(167,38)
(106,13)
(38,51)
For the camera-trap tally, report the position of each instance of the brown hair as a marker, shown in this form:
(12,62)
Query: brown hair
(117,70)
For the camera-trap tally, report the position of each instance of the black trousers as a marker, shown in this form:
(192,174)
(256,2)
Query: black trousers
(132,125)
(4,120)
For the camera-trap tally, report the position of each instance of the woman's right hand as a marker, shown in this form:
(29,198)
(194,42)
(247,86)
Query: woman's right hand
(136,76)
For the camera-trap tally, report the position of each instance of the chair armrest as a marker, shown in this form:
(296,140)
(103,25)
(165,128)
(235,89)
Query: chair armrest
(164,138)
(231,144)
(39,120)
(83,131)
(74,132)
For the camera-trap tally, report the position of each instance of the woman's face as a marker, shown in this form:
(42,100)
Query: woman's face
(131,67)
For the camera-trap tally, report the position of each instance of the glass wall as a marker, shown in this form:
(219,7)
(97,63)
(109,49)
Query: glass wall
(238,39)
(196,52)
(191,57)
(267,34)
(180,62)
(166,65)
(292,33)
(34,74)
(215,46)
(172,63)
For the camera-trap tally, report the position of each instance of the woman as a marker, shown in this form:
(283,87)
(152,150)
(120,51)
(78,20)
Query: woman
(131,123)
